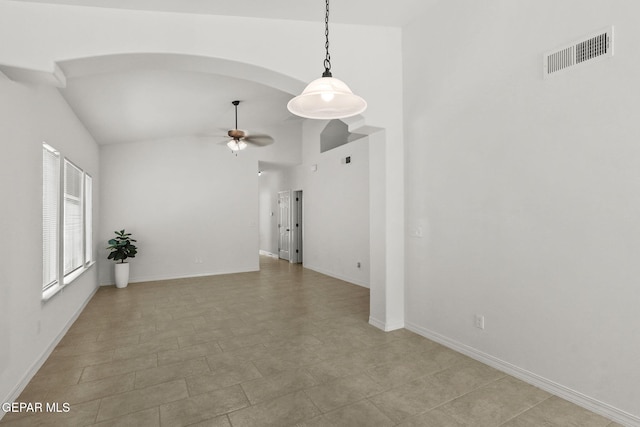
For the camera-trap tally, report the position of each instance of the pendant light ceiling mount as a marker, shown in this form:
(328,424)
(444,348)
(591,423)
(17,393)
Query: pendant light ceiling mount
(327,98)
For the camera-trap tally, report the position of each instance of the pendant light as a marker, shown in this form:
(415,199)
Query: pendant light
(327,97)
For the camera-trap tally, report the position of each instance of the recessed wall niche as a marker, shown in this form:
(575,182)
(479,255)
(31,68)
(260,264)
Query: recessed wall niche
(335,134)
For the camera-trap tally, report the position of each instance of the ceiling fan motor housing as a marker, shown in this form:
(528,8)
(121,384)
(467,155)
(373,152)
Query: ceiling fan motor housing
(236,133)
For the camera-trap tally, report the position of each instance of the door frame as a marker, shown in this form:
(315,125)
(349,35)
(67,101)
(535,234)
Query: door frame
(297,230)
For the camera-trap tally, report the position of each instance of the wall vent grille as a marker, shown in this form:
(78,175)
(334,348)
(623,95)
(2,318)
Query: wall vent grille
(596,46)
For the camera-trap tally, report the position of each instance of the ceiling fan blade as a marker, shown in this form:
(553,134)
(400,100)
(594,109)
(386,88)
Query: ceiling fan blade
(216,138)
(259,140)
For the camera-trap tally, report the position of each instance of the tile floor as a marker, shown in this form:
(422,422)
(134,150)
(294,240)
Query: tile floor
(283,346)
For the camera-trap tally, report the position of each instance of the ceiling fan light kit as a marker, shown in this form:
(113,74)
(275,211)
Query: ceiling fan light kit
(327,97)
(236,145)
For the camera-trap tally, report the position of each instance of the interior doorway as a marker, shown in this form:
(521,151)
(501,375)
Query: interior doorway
(290,226)
(284,224)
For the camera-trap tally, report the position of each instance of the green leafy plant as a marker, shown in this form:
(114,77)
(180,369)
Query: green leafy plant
(121,247)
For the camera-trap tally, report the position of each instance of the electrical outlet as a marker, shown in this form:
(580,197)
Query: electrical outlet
(479,321)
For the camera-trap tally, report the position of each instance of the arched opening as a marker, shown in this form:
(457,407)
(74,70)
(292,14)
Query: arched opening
(118,63)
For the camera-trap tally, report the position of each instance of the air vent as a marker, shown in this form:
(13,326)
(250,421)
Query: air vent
(589,49)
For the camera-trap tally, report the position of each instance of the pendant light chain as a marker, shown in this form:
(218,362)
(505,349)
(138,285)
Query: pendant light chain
(326,98)
(327,59)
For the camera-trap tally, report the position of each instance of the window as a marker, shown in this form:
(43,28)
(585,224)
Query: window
(88,219)
(69,228)
(50,185)
(73,238)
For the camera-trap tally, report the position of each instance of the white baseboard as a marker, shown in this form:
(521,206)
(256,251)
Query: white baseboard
(35,367)
(387,327)
(378,324)
(183,276)
(265,253)
(337,276)
(566,393)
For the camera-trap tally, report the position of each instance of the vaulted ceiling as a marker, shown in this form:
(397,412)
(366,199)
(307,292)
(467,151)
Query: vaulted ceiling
(366,12)
(153,103)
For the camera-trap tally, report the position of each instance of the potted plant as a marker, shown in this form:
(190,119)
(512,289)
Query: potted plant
(121,249)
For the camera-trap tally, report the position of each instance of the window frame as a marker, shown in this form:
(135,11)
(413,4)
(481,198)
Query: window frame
(72,242)
(50,218)
(87,222)
(84,238)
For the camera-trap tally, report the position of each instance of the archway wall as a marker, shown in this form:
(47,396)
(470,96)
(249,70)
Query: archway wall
(368,58)
(363,56)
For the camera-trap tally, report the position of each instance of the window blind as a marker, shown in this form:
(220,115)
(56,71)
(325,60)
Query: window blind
(73,229)
(88,219)
(50,196)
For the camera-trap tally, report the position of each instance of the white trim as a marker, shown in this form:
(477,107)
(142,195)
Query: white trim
(35,367)
(180,276)
(50,149)
(387,327)
(337,276)
(266,253)
(51,291)
(550,386)
(50,220)
(77,273)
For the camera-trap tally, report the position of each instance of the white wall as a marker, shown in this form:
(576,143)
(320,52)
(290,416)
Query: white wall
(29,327)
(336,231)
(191,204)
(527,193)
(383,313)
(286,59)
(336,207)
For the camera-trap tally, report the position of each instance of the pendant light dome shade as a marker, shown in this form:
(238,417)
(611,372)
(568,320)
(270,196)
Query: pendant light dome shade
(327,98)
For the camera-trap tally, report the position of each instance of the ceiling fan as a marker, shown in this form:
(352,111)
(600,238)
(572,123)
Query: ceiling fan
(241,138)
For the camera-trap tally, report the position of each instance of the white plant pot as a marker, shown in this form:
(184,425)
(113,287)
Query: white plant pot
(122,274)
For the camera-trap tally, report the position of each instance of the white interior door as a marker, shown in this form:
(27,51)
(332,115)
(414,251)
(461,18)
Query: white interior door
(284,224)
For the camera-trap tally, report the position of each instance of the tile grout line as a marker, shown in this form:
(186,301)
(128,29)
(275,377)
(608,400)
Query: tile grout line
(526,410)
(313,403)
(460,396)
